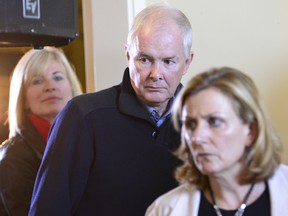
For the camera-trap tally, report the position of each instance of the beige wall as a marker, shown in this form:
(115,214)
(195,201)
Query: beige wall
(105,26)
(248,35)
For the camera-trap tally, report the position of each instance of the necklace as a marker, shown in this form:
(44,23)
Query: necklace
(240,210)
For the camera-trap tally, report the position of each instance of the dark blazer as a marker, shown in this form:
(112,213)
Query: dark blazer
(20,158)
(105,157)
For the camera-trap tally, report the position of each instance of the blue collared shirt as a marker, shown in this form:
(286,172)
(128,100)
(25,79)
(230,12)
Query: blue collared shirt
(165,115)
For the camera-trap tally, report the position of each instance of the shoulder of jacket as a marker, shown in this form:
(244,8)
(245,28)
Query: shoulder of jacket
(21,146)
(282,170)
(181,193)
(176,202)
(89,102)
(280,176)
(11,146)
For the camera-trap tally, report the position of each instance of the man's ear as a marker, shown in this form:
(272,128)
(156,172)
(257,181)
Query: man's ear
(188,62)
(127,54)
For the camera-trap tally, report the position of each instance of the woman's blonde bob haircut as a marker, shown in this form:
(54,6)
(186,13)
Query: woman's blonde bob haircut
(34,62)
(263,157)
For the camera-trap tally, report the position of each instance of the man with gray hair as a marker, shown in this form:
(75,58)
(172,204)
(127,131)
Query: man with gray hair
(105,155)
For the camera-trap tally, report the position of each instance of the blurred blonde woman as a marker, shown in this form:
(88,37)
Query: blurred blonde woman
(232,156)
(42,83)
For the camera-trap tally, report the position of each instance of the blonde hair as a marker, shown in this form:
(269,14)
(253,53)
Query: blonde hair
(34,62)
(264,155)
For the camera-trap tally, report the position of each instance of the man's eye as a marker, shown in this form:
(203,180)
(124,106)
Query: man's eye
(144,60)
(168,61)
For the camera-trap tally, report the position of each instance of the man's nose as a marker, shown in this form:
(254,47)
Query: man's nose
(156,72)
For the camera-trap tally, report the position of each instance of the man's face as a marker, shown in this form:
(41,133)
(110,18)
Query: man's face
(157,64)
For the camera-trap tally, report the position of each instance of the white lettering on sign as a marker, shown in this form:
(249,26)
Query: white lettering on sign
(31,9)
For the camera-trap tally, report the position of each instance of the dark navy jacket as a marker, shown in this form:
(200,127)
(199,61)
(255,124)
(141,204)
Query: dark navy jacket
(105,157)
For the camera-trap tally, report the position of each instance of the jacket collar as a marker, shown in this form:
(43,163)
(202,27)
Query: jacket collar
(128,102)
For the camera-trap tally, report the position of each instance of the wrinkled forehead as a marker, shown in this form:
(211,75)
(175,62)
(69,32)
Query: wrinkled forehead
(165,37)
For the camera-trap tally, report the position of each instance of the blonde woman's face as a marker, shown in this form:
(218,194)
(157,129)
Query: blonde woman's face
(216,135)
(49,92)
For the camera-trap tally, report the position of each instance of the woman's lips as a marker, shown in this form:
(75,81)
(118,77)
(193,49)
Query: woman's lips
(51,99)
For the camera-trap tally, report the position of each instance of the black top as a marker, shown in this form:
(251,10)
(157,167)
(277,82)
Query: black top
(260,207)
(20,158)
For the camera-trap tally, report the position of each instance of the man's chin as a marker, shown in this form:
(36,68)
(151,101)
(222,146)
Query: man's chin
(155,101)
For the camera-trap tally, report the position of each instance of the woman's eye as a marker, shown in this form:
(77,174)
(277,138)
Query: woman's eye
(189,124)
(58,78)
(213,121)
(36,81)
